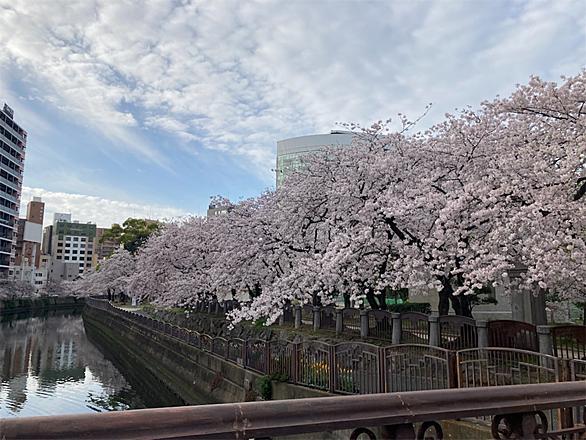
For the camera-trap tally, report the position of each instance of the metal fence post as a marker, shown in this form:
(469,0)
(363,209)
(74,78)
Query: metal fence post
(339,322)
(332,368)
(434,330)
(297,311)
(482,333)
(295,362)
(396,335)
(364,323)
(545,339)
(316,318)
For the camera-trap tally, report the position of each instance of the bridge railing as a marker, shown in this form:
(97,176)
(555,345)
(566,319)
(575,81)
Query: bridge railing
(515,412)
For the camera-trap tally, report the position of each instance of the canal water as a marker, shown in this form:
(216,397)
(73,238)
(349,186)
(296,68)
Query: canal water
(50,364)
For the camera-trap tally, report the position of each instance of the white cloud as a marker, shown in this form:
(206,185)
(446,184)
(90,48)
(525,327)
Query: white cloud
(93,209)
(237,76)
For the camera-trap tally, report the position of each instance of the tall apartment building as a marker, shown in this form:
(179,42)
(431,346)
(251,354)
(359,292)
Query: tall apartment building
(71,246)
(12,152)
(29,235)
(291,151)
(103,248)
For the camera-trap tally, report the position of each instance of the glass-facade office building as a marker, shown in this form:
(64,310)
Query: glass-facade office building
(290,151)
(12,151)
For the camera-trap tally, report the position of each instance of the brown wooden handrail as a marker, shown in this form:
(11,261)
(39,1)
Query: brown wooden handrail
(272,418)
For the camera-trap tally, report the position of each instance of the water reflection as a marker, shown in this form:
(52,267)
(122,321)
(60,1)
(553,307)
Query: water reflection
(48,366)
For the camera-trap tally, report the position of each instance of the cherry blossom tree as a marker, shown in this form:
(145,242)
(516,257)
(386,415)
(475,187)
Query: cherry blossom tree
(462,206)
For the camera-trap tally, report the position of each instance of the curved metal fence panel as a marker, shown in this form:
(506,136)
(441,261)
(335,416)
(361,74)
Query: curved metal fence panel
(328,318)
(314,364)
(505,366)
(351,321)
(512,334)
(414,328)
(282,359)
(256,350)
(414,367)
(457,332)
(380,325)
(569,341)
(357,368)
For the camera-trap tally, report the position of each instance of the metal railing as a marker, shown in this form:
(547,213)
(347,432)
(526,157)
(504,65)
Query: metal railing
(517,412)
(361,368)
(450,332)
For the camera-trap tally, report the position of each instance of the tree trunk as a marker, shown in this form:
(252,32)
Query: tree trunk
(444,300)
(347,304)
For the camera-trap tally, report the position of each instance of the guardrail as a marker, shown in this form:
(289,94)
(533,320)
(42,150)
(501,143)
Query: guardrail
(517,411)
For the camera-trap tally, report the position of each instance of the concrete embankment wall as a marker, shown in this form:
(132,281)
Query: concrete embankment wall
(33,304)
(194,375)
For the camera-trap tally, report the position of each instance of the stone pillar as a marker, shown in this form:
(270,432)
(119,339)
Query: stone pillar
(482,333)
(297,312)
(210,305)
(434,331)
(364,323)
(396,336)
(339,322)
(316,318)
(282,319)
(216,308)
(545,339)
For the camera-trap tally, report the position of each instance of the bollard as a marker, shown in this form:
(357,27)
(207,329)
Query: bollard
(482,333)
(545,339)
(434,331)
(364,323)
(396,335)
(339,322)
(316,318)
(297,311)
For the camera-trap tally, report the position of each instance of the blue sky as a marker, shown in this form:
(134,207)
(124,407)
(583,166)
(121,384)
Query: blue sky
(150,108)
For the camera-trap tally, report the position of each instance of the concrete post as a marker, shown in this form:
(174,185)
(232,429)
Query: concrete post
(316,318)
(434,331)
(364,323)
(482,333)
(545,339)
(297,311)
(396,335)
(339,322)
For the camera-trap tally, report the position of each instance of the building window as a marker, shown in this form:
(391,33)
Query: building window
(74,251)
(67,238)
(67,244)
(81,245)
(75,238)
(75,245)
(66,257)
(88,264)
(89,252)
(88,259)
(83,238)
(73,258)
(59,251)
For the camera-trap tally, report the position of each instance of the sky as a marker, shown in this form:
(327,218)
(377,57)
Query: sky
(146,109)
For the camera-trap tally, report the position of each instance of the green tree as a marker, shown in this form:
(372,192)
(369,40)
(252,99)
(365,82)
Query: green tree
(133,233)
